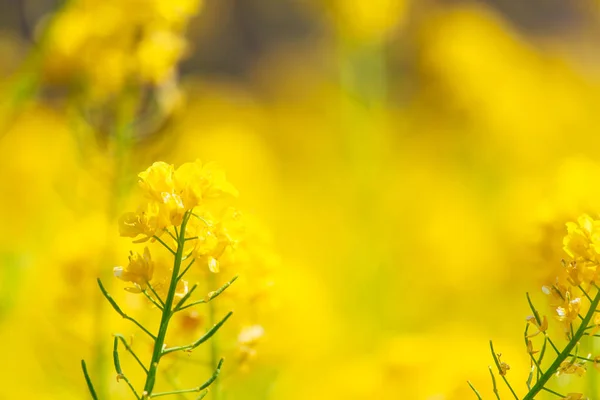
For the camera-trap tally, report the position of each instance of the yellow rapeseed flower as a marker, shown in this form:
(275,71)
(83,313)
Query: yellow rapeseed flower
(571,367)
(583,239)
(139,271)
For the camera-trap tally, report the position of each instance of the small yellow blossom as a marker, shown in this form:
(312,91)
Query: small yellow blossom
(156,180)
(541,327)
(583,239)
(530,349)
(569,311)
(195,181)
(567,308)
(247,340)
(581,272)
(105,45)
(597,362)
(158,53)
(139,271)
(574,396)
(150,219)
(504,367)
(571,367)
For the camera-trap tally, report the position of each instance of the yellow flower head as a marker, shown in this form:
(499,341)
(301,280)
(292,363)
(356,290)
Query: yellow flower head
(195,182)
(156,180)
(571,367)
(171,193)
(581,272)
(504,367)
(247,341)
(583,239)
(139,271)
(569,310)
(543,327)
(150,219)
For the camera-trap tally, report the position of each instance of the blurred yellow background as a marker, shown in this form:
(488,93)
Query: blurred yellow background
(412,163)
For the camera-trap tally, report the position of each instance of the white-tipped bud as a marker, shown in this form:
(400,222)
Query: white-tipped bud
(118,272)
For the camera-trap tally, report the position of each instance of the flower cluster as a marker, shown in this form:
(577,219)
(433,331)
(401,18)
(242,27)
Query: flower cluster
(114,43)
(582,244)
(574,297)
(170,193)
(187,213)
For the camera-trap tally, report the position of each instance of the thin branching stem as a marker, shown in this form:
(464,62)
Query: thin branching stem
(202,395)
(186,269)
(562,396)
(582,358)
(145,292)
(552,344)
(202,219)
(566,352)
(211,296)
(172,236)
(162,303)
(200,388)
(88,381)
(185,298)
(202,339)
(494,387)
(114,304)
(474,390)
(130,350)
(501,371)
(536,315)
(166,315)
(585,293)
(166,246)
(120,374)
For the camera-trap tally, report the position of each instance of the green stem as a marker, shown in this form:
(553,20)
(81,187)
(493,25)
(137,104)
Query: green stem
(494,386)
(202,339)
(130,350)
(88,380)
(214,345)
(566,351)
(211,296)
(114,304)
(120,374)
(167,311)
(200,388)
(500,371)
(554,393)
(474,390)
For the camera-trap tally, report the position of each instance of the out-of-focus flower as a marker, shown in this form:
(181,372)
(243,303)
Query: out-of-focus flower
(104,46)
(247,340)
(368,21)
(583,239)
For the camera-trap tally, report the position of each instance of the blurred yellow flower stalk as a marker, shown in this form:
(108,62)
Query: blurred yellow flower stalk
(113,45)
(187,213)
(574,298)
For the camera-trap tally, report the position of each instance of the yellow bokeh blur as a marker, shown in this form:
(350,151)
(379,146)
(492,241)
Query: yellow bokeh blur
(406,170)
